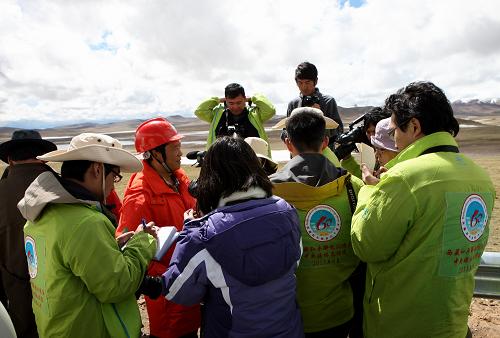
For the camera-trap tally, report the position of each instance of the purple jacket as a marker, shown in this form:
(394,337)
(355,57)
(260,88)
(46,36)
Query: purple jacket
(240,261)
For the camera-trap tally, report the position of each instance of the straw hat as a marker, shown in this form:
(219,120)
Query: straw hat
(260,147)
(96,148)
(381,139)
(25,138)
(330,124)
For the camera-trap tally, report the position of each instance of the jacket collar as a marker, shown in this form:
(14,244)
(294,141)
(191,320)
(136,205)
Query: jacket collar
(156,182)
(419,146)
(251,193)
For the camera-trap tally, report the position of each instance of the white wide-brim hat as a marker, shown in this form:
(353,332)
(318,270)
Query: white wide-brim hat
(330,124)
(96,148)
(260,147)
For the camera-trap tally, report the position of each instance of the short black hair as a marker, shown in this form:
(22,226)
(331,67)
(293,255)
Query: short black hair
(229,165)
(427,103)
(233,90)
(26,152)
(306,129)
(75,169)
(306,71)
(373,117)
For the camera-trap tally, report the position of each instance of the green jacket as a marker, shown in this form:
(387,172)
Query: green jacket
(211,111)
(323,291)
(352,166)
(422,230)
(83,285)
(330,155)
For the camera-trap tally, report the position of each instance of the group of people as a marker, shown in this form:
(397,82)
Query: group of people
(317,248)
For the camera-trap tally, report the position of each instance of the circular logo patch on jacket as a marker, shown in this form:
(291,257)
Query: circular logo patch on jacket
(322,223)
(30,248)
(474,217)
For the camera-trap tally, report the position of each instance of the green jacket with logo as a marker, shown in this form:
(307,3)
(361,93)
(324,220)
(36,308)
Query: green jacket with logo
(211,111)
(323,291)
(83,285)
(422,230)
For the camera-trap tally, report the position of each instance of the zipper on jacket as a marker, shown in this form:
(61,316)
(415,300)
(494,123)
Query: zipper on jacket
(121,321)
(371,291)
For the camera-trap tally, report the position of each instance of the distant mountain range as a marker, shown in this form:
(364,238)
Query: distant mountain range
(462,110)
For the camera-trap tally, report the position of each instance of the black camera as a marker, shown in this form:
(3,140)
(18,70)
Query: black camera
(193,188)
(230,127)
(198,156)
(309,100)
(355,135)
(347,141)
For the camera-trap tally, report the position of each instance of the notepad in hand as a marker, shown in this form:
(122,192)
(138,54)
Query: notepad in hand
(167,236)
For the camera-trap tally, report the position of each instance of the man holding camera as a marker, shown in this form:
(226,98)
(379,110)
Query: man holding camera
(230,115)
(306,78)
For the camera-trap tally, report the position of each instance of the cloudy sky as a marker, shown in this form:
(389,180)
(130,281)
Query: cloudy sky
(72,61)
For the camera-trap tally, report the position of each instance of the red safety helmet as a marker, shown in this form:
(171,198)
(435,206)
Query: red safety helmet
(153,133)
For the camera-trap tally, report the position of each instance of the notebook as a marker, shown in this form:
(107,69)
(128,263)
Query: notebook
(167,236)
(367,155)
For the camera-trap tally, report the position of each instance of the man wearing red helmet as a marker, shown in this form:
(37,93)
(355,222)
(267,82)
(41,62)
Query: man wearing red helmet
(159,193)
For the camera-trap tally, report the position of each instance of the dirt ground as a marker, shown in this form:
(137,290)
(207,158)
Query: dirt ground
(484,318)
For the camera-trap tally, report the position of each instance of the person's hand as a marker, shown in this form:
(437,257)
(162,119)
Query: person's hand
(367,175)
(380,171)
(316,105)
(151,286)
(123,238)
(222,100)
(189,215)
(149,228)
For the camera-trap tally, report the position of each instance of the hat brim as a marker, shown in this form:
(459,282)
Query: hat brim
(176,138)
(126,161)
(10,146)
(267,158)
(330,124)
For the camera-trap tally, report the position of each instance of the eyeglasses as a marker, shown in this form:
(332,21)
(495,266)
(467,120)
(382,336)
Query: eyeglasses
(392,131)
(116,175)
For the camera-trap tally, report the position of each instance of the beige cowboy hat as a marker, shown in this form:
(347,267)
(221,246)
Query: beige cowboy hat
(96,148)
(330,124)
(260,147)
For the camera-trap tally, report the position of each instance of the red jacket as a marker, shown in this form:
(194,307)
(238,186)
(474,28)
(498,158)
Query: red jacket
(148,196)
(114,204)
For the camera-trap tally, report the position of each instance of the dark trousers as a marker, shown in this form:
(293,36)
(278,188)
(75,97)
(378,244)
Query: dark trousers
(357,281)
(341,331)
(18,294)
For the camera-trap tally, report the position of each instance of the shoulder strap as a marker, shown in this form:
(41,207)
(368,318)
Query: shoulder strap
(439,149)
(351,195)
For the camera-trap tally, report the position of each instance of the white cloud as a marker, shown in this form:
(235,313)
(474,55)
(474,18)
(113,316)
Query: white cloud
(93,60)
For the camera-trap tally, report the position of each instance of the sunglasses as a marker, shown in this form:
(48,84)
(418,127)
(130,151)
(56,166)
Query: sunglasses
(392,131)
